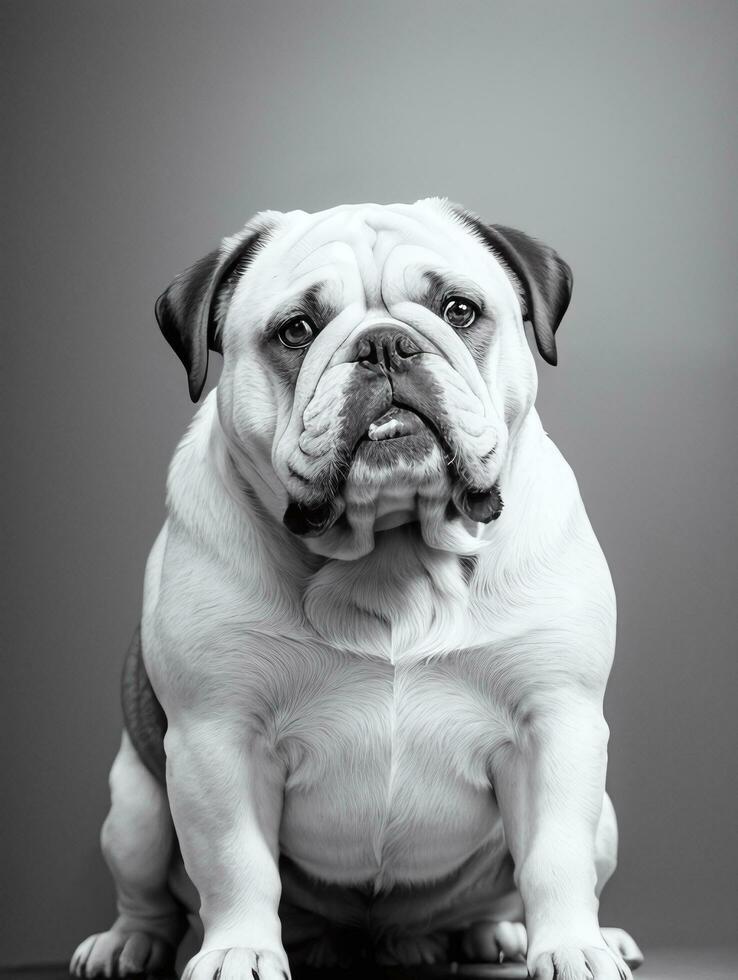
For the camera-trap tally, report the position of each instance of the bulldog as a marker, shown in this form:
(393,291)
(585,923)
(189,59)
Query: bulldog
(364,713)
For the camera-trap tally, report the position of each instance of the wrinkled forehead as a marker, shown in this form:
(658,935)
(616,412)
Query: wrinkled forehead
(370,247)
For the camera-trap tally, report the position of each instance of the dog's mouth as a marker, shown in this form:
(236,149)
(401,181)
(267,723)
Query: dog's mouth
(400,433)
(397,422)
(408,432)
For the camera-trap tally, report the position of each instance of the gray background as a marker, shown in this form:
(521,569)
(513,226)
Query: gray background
(142,132)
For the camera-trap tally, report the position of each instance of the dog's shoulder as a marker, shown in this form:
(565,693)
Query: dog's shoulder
(542,599)
(198,498)
(219,578)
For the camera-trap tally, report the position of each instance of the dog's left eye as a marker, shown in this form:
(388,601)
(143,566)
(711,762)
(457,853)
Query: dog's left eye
(297,332)
(459,312)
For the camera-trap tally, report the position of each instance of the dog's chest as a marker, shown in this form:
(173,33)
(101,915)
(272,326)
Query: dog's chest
(401,602)
(388,767)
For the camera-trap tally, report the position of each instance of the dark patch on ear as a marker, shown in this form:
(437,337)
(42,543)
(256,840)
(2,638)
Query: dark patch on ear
(186,310)
(545,279)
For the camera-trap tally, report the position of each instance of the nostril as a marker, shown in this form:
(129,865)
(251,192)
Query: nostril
(367,350)
(406,347)
(385,349)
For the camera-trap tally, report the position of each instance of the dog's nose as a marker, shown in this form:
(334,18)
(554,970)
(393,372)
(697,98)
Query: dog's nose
(387,347)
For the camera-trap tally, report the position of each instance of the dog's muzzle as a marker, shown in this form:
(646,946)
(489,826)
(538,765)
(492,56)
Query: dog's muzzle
(395,397)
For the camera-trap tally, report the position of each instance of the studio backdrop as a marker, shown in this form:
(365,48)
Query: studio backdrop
(138,133)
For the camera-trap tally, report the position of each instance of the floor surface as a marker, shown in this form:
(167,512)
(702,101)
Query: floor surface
(663,964)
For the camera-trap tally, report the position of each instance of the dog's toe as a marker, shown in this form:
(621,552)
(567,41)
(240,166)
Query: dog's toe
(237,963)
(580,963)
(117,953)
(623,943)
(78,963)
(100,955)
(488,942)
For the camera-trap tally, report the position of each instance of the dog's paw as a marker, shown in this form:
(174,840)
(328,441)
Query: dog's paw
(489,942)
(122,953)
(624,944)
(579,963)
(408,950)
(237,963)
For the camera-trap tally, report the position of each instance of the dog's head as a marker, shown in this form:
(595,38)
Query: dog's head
(375,363)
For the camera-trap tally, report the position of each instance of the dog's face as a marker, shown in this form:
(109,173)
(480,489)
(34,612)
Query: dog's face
(375,363)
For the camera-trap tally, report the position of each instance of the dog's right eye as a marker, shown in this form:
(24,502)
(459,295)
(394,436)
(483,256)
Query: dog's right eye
(459,312)
(298,332)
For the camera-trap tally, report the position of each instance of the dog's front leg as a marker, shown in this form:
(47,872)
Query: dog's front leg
(225,787)
(550,784)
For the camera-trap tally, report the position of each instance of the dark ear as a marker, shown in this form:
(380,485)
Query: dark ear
(545,279)
(186,310)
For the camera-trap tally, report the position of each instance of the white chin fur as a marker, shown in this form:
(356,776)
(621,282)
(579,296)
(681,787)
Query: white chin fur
(375,500)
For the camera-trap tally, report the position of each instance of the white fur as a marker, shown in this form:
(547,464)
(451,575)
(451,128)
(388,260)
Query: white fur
(380,720)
